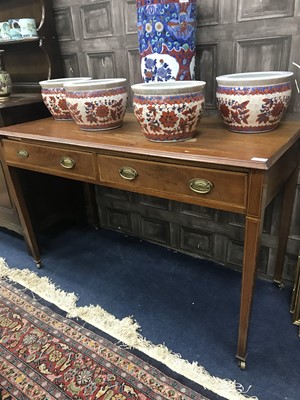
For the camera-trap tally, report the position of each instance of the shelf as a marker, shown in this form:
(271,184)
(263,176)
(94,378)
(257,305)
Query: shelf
(18,41)
(33,59)
(19,99)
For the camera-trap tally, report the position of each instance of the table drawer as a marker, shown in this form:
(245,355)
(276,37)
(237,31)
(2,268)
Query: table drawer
(52,160)
(203,186)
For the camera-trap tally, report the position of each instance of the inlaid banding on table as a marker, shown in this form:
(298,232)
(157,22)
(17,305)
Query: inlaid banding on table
(172,180)
(56,160)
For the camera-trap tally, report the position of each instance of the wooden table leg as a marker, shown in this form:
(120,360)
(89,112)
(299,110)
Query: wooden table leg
(285,220)
(252,240)
(20,204)
(253,229)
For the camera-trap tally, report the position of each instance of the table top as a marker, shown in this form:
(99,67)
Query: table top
(212,144)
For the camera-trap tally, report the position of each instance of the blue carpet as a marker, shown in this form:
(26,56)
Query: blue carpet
(189,304)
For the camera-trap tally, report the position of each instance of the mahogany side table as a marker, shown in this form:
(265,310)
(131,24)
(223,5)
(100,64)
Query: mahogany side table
(228,171)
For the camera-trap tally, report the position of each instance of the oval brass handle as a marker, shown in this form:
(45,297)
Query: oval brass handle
(128,173)
(67,162)
(202,186)
(23,154)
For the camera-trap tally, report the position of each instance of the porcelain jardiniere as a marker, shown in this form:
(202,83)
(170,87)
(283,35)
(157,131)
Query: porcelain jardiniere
(98,104)
(254,101)
(169,111)
(53,94)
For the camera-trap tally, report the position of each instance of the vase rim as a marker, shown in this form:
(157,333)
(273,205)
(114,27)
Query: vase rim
(254,78)
(165,88)
(59,82)
(143,3)
(95,84)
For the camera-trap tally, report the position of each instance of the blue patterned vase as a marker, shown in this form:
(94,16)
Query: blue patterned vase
(167,36)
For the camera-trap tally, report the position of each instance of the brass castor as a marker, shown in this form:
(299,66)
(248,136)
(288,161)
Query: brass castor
(38,264)
(279,283)
(242,364)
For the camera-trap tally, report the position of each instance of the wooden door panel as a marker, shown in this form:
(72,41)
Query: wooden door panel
(257,9)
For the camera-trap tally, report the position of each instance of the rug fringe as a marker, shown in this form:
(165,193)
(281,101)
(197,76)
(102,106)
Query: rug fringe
(42,286)
(125,330)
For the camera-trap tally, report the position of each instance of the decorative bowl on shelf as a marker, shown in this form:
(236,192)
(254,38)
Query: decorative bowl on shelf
(253,102)
(53,94)
(98,104)
(169,111)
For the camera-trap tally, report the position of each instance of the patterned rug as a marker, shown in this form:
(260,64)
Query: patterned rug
(45,354)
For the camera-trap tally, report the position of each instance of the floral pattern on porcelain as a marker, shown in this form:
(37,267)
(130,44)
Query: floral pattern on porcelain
(98,109)
(167,28)
(253,109)
(55,100)
(54,97)
(169,118)
(5,84)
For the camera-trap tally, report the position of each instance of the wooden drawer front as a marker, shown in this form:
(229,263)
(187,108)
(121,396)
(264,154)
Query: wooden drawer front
(48,159)
(229,190)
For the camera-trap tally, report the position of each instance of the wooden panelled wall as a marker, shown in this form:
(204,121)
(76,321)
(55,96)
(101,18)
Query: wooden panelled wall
(99,38)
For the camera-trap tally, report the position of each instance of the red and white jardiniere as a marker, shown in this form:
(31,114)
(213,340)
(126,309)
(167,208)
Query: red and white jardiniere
(169,111)
(254,101)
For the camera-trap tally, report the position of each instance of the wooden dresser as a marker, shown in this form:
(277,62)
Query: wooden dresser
(218,169)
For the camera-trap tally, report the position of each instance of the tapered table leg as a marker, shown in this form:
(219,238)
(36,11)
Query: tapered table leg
(20,204)
(253,229)
(252,239)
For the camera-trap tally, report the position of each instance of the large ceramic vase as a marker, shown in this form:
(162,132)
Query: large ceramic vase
(5,80)
(167,35)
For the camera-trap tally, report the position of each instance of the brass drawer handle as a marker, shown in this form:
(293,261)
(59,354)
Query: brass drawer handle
(67,162)
(128,173)
(23,154)
(202,186)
